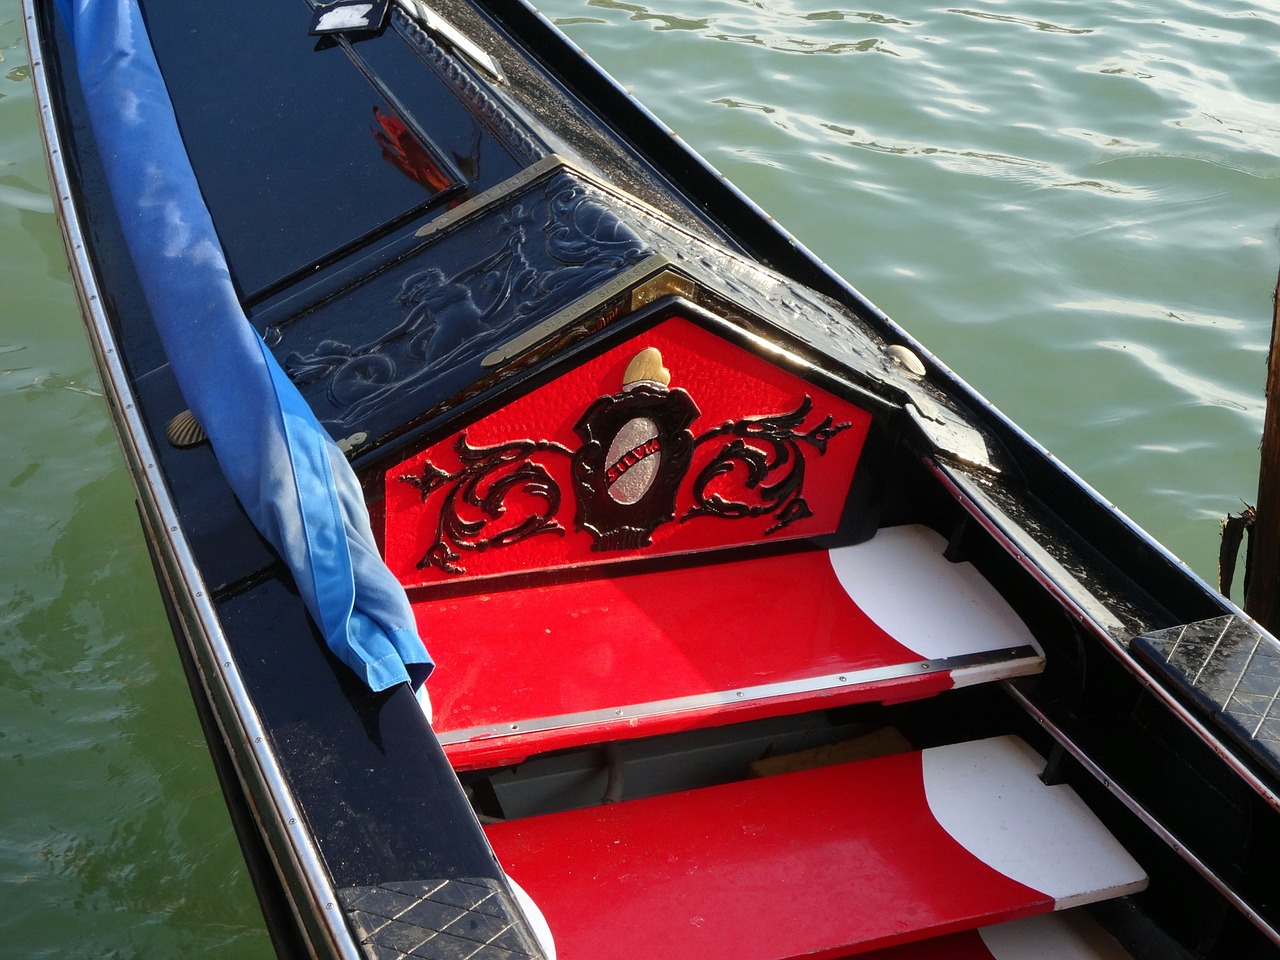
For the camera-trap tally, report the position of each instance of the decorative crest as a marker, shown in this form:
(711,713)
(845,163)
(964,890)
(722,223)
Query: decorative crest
(639,470)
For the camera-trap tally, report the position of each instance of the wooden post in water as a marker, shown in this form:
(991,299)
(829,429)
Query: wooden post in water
(1262,598)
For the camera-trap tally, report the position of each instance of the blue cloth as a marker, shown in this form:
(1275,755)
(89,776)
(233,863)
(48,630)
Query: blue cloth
(290,477)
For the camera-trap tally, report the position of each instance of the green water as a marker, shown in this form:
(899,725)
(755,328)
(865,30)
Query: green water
(1072,203)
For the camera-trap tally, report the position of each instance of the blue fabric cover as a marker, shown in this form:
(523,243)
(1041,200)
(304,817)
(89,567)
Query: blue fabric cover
(292,480)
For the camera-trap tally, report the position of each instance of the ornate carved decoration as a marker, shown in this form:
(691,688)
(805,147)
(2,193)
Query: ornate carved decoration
(628,475)
(568,249)
(489,475)
(636,449)
(762,447)
(546,250)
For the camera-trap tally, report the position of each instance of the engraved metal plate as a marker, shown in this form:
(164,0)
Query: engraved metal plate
(471,919)
(1232,669)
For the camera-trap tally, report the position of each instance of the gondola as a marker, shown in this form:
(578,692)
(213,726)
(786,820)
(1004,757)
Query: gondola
(566,563)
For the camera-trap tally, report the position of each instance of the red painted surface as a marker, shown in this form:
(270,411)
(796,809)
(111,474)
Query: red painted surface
(816,864)
(514,656)
(726,382)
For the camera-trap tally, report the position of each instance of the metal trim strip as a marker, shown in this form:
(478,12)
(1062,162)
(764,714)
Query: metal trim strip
(643,271)
(1019,660)
(1134,807)
(1157,687)
(548,165)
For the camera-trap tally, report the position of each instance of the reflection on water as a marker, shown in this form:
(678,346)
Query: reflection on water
(1042,25)
(1199,390)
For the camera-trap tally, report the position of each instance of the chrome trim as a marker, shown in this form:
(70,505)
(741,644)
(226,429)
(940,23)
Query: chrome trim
(448,34)
(645,270)
(516,183)
(1119,650)
(525,178)
(1020,660)
(1137,809)
(240,726)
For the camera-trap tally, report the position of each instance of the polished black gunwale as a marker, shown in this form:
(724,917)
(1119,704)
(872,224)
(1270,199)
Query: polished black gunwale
(275,814)
(300,881)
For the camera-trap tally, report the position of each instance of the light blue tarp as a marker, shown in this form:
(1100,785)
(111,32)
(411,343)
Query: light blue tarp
(290,477)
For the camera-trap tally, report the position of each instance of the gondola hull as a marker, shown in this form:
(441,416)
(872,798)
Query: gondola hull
(756,632)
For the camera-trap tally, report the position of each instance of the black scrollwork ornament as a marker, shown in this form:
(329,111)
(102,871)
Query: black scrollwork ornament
(759,448)
(488,477)
(632,465)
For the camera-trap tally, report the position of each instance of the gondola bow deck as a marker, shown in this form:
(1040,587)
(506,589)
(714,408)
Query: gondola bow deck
(758,634)
(747,455)
(603,652)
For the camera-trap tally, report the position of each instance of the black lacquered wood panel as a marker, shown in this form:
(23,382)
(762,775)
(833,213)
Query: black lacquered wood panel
(301,156)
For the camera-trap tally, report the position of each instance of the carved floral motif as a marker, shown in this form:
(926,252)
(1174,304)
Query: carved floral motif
(767,452)
(547,250)
(489,475)
(762,447)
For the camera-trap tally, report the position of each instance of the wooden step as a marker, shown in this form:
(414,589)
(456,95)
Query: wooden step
(819,863)
(1070,935)
(557,665)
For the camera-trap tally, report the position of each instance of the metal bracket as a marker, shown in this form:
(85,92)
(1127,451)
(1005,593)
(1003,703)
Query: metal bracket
(349,16)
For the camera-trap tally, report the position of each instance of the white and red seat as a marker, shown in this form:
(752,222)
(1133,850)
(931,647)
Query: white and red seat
(820,863)
(539,668)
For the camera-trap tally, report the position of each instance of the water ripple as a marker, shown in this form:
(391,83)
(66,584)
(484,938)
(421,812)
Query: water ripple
(1198,389)
(23,196)
(1155,311)
(1043,26)
(780,27)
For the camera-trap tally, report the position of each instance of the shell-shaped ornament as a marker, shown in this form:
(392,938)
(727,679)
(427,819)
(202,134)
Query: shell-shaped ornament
(184,431)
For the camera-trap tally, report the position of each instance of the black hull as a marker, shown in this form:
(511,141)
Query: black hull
(336,791)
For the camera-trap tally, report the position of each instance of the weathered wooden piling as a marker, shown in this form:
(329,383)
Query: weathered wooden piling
(1262,592)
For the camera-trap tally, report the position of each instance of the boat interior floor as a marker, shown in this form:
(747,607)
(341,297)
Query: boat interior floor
(724,784)
(818,862)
